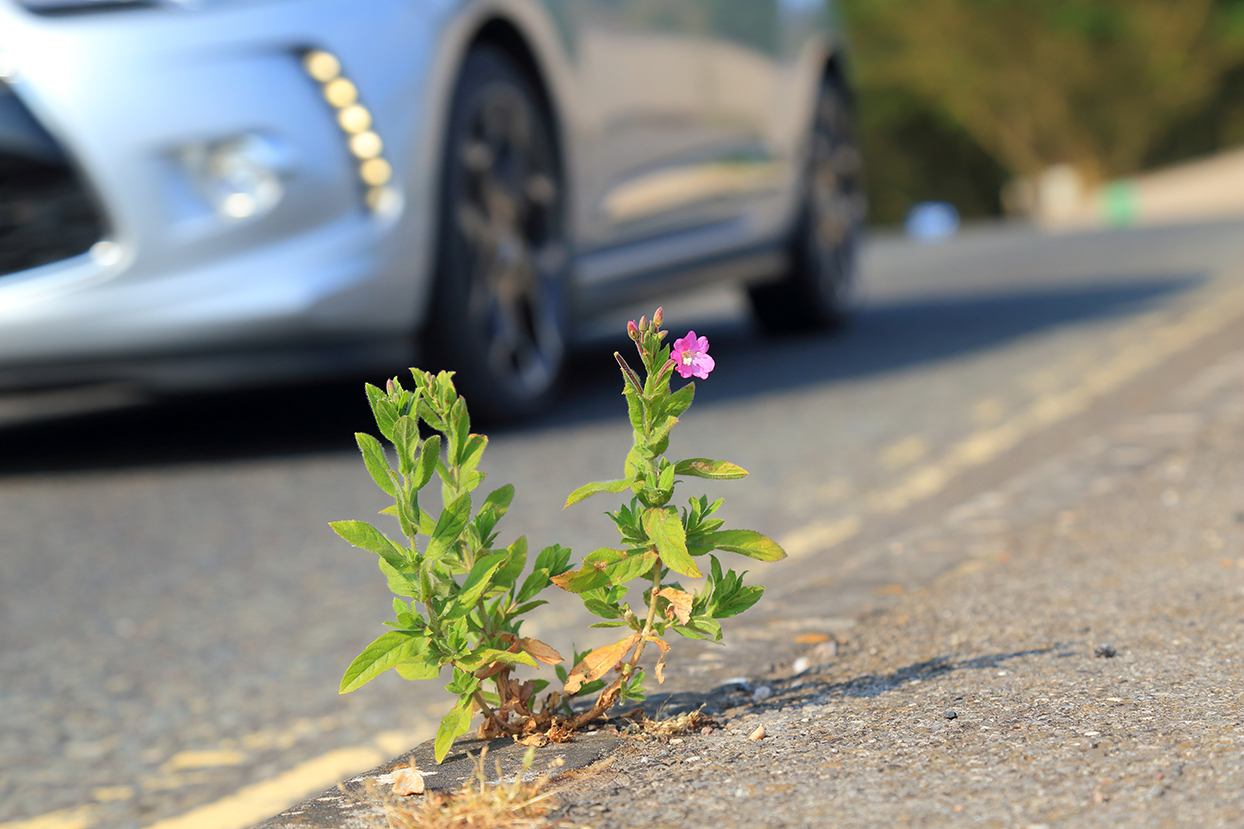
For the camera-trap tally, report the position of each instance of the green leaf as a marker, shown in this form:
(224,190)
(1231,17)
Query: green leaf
(480,578)
(408,513)
(660,438)
(665,480)
(454,724)
(428,457)
(533,584)
(632,566)
(384,411)
(635,410)
(680,400)
(459,429)
(462,683)
(742,599)
(387,651)
(700,628)
(406,439)
(594,572)
(636,469)
(472,451)
(604,610)
(744,542)
(516,559)
(486,656)
(403,582)
(449,526)
(429,416)
(377,464)
(705,468)
(416,670)
(665,529)
(595,488)
(498,501)
(554,558)
(366,537)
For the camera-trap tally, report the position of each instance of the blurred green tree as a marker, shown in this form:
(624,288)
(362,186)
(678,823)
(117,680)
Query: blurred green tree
(1104,85)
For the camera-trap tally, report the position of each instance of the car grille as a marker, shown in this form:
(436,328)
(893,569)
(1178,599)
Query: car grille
(46,213)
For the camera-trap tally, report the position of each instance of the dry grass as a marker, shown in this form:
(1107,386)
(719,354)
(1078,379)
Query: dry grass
(519,803)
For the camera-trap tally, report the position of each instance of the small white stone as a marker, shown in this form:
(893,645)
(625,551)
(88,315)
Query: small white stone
(407,781)
(802,664)
(762,692)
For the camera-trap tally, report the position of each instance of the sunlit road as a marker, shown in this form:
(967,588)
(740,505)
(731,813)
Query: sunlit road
(175,615)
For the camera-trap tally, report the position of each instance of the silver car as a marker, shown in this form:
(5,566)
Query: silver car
(203,192)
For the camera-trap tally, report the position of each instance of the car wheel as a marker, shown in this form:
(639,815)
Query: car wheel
(816,291)
(498,313)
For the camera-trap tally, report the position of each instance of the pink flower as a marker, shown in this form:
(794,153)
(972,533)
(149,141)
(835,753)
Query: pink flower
(690,356)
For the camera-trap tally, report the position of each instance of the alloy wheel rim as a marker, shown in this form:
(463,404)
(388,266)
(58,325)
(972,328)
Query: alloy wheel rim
(508,214)
(837,192)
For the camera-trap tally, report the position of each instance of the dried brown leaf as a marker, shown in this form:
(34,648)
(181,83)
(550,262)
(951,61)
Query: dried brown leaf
(679,603)
(539,650)
(599,662)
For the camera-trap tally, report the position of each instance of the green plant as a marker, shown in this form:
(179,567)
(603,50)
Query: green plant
(658,539)
(461,597)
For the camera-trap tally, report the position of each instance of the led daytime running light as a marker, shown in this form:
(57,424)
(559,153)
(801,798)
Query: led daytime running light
(355,122)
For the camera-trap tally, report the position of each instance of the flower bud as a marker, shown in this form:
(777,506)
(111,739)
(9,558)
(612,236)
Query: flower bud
(658,318)
(643,324)
(632,330)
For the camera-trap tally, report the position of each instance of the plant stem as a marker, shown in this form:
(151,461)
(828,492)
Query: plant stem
(610,695)
(492,715)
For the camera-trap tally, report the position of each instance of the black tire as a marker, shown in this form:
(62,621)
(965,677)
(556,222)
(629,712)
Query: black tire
(816,292)
(498,312)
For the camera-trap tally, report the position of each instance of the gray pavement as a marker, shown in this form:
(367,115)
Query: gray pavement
(1082,664)
(176,616)
(1072,656)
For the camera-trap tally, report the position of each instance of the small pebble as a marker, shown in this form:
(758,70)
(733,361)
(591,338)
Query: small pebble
(826,650)
(407,781)
(950,714)
(758,734)
(706,730)
(762,692)
(801,664)
(1106,651)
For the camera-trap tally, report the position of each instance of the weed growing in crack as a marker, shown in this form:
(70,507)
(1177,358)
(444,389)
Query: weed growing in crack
(461,595)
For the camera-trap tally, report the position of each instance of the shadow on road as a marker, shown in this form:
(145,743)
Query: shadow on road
(322,417)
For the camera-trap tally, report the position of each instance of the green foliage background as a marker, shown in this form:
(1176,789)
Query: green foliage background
(958,96)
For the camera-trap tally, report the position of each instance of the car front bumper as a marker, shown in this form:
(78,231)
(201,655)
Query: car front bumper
(133,97)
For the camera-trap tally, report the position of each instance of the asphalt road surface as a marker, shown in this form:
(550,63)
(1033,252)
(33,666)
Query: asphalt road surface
(175,615)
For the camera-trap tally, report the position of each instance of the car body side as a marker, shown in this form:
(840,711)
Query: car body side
(184,296)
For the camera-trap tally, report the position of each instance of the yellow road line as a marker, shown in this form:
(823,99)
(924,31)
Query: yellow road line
(1139,352)
(79,817)
(202,760)
(259,801)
